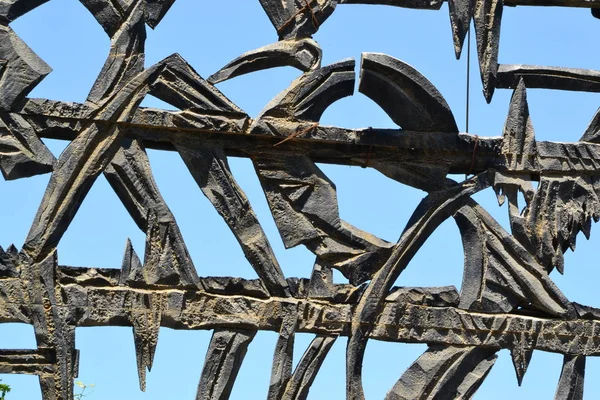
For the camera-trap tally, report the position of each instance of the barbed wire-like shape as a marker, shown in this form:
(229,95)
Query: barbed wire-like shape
(507,300)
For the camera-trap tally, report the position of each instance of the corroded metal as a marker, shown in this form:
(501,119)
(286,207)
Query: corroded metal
(507,299)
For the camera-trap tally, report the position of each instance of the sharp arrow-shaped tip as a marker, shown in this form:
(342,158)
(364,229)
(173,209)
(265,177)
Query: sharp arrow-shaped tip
(131,269)
(518,139)
(460,18)
(521,356)
(146,327)
(487,16)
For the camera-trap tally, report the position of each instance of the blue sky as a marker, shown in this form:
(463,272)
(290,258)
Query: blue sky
(210,34)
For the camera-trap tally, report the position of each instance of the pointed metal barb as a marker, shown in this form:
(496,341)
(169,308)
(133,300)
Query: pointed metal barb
(518,139)
(520,354)
(146,316)
(131,269)
(461,12)
(487,15)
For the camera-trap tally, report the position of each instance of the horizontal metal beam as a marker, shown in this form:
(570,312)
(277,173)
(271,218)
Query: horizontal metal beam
(411,315)
(460,153)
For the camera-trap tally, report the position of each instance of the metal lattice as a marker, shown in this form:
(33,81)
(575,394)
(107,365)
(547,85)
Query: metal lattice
(507,300)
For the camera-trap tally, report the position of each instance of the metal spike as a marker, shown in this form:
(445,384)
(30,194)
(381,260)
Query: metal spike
(131,269)
(146,318)
(521,356)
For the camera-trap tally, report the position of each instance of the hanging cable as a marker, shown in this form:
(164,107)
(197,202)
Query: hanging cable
(468,70)
(468,92)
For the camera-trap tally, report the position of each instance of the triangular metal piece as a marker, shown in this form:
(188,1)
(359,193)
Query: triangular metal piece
(146,318)
(487,17)
(518,139)
(521,356)
(460,19)
(131,269)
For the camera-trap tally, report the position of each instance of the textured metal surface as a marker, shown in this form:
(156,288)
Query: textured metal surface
(507,300)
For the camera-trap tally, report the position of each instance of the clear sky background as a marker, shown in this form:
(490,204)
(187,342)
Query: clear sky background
(208,34)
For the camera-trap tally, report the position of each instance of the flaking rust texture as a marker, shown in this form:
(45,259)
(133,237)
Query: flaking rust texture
(507,299)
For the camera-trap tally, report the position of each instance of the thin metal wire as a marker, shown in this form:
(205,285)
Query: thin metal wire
(468,70)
